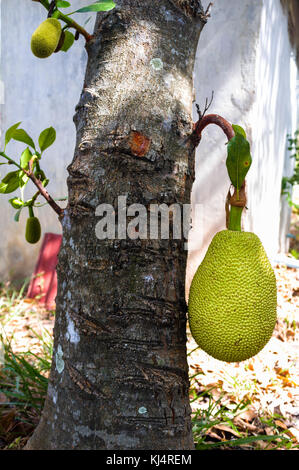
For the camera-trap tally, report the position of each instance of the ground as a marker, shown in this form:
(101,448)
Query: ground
(254,399)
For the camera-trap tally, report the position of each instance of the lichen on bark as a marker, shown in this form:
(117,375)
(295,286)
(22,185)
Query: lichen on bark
(120,325)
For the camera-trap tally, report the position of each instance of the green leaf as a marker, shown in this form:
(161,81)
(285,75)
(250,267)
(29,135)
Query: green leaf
(238,159)
(239,130)
(23,179)
(104,5)
(22,136)
(16,202)
(17,215)
(68,41)
(62,4)
(10,131)
(25,158)
(47,138)
(10,182)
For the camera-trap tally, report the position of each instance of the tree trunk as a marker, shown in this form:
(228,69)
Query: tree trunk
(119,377)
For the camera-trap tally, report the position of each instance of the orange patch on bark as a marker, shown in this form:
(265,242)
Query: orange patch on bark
(139,144)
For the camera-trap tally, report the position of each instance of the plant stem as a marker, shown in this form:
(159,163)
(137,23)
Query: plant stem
(10,160)
(235,215)
(34,198)
(31,213)
(234,206)
(71,23)
(44,193)
(212,119)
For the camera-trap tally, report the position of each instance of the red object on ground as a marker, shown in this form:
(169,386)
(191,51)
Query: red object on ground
(44,280)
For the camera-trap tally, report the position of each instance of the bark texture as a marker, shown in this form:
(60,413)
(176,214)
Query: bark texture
(119,377)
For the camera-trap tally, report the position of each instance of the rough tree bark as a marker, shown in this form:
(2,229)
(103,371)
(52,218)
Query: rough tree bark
(119,377)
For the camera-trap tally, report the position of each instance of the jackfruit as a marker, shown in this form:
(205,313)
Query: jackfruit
(33,230)
(45,38)
(233,297)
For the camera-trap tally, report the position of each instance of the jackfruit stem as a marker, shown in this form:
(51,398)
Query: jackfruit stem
(31,213)
(235,216)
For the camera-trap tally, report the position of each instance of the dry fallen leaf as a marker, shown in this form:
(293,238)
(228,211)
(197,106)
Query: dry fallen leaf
(223,427)
(244,425)
(280,424)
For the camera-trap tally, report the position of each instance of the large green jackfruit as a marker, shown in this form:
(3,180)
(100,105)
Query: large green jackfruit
(45,38)
(233,297)
(33,230)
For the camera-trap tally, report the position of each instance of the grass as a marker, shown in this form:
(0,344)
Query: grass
(23,374)
(217,423)
(23,388)
(216,426)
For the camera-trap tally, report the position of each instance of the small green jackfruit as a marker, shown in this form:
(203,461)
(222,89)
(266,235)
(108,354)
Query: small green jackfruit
(233,297)
(33,230)
(45,38)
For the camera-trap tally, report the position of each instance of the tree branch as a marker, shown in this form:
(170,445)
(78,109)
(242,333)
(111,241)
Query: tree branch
(42,190)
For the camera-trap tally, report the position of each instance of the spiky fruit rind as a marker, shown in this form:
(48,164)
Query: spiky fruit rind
(33,230)
(233,297)
(45,38)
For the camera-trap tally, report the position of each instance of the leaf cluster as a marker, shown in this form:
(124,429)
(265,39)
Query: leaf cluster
(29,162)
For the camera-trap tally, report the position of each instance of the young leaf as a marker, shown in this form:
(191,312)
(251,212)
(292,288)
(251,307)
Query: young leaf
(25,158)
(104,5)
(239,130)
(68,41)
(47,138)
(22,136)
(62,4)
(10,182)
(17,215)
(238,159)
(10,131)
(16,202)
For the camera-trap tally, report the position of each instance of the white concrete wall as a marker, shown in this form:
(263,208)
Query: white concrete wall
(40,93)
(244,55)
(274,116)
